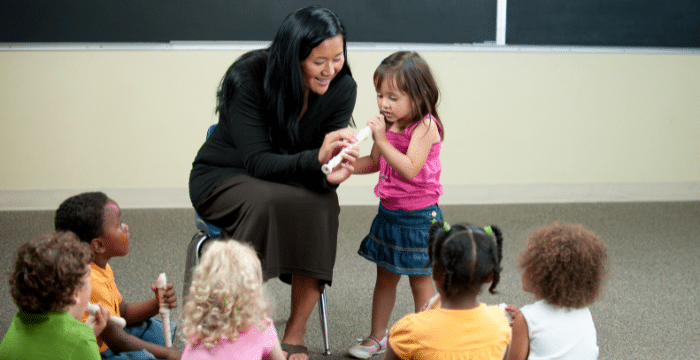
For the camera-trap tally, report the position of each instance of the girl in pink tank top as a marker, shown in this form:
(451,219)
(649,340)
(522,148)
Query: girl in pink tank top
(407,138)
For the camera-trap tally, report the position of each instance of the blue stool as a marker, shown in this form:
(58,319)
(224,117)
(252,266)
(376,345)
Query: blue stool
(206,232)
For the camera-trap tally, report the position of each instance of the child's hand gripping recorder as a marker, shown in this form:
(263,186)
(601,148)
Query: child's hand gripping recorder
(163,309)
(507,311)
(93,308)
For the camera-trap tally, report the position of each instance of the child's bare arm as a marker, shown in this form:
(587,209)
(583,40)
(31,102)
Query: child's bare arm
(364,165)
(519,347)
(410,164)
(368,164)
(140,311)
(119,341)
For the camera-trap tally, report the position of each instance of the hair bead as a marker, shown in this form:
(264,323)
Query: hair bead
(445,226)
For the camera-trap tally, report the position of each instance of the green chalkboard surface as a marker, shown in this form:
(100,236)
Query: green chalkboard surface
(162,21)
(641,23)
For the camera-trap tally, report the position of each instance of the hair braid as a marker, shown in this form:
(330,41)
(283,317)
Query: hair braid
(433,238)
(499,250)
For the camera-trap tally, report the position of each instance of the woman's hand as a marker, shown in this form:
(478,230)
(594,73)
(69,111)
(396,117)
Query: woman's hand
(333,143)
(346,168)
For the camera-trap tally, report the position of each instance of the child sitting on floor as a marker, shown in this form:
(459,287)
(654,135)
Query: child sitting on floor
(96,219)
(226,315)
(465,258)
(564,267)
(50,284)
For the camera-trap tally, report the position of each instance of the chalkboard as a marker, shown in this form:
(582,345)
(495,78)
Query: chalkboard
(163,21)
(641,23)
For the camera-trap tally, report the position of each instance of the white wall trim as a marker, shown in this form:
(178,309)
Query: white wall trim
(127,198)
(14,200)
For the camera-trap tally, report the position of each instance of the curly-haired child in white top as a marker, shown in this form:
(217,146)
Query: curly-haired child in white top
(564,267)
(226,315)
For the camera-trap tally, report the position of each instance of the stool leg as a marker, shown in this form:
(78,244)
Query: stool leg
(322,311)
(194,252)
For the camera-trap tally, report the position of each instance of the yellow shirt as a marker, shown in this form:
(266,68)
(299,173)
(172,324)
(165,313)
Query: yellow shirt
(480,333)
(104,290)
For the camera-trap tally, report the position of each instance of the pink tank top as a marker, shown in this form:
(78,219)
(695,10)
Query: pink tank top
(423,190)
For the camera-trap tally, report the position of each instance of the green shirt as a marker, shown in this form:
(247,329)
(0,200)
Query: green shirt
(55,335)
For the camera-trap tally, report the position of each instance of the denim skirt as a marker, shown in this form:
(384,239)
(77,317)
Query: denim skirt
(398,240)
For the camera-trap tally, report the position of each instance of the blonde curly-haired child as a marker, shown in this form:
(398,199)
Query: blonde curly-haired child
(226,315)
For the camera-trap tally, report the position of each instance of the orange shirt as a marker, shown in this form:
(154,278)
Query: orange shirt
(480,333)
(104,290)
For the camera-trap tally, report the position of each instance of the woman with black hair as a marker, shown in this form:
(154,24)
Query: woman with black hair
(283,113)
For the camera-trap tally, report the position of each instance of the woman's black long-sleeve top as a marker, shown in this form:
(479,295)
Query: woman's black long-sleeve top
(241,142)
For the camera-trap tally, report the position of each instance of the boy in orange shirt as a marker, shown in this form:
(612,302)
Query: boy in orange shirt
(96,219)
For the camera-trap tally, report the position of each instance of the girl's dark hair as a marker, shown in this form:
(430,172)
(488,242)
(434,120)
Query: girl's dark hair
(82,214)
(48,271)
(299,33)
(466,255)
(413,76)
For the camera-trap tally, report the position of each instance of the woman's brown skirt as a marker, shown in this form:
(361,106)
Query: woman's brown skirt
(293,229)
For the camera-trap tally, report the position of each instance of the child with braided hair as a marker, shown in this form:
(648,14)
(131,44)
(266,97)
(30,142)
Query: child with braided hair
(456,326)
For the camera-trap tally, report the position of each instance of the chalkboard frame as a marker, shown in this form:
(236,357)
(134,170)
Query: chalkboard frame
(165,21)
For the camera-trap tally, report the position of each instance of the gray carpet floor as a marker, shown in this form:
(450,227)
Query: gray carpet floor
(650,308)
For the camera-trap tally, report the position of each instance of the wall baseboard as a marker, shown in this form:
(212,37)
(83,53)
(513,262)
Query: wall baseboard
(128,198)
(15,200)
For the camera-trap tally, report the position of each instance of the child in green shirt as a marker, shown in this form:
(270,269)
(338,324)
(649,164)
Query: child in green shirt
(50,284)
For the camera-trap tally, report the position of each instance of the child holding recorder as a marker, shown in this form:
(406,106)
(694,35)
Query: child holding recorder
(407,139)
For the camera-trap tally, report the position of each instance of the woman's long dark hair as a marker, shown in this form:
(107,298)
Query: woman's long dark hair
(299,33)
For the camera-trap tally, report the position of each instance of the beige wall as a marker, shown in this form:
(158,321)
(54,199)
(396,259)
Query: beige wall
(134,120)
